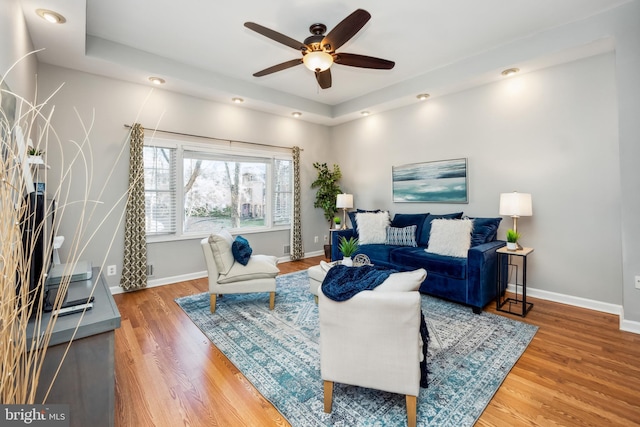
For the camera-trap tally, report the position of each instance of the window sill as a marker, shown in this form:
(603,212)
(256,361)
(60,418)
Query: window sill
(200,236)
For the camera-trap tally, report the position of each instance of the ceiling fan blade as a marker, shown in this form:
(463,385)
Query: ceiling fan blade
(324,78)
(362,61)
(278,67)
(346,29)
(274,35)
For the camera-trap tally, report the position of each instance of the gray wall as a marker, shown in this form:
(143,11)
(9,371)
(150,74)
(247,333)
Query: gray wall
(551,133)
(105,105)
(14,44)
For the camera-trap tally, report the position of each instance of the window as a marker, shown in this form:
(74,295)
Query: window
(160,189)
(216,188)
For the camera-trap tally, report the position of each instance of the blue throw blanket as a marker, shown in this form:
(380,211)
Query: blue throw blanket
(342,282)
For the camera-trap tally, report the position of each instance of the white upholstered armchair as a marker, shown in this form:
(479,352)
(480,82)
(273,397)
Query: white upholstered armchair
(227,276)
(373,340)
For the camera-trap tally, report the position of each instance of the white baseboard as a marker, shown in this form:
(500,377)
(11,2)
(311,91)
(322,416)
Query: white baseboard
(625,325)
(571,300)
(197,275)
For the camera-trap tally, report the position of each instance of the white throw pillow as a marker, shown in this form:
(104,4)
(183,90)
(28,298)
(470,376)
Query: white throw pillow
(405,281)
(372,227)
(222,254)
(451,237)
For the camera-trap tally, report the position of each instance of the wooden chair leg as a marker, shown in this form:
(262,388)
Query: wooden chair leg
(272,300)
(412,410)
(213,303)
(328,396)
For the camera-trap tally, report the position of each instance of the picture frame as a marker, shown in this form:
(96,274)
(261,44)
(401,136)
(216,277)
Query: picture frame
(441,181)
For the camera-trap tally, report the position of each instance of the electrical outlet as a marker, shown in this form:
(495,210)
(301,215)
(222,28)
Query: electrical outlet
(326,239)
(315,239)
(637,282)
(111,270)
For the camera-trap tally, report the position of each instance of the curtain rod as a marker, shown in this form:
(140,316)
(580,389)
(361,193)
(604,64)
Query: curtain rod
(217,139)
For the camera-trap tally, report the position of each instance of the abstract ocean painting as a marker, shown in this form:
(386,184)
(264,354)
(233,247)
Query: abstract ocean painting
(443,181)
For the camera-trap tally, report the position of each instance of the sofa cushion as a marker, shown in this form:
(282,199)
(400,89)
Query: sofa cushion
(241,250)
(484,230)
(404,220)
(352,216)
(405,281)
(221,247)
(450,237)
(405,236)
(423,237)
(372,227)
(450,267)
(258,267)
(379,253)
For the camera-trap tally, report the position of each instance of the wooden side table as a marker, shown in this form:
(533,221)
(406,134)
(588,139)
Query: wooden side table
(518,306)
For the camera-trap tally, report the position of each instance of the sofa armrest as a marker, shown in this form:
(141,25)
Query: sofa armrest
(482,271)
(335,241)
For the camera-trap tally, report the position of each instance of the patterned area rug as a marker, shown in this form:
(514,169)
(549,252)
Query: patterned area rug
(278,351)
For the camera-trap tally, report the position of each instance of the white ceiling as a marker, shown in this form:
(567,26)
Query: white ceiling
(202,48)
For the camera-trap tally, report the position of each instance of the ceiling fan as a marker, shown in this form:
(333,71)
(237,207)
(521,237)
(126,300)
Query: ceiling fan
(319,51)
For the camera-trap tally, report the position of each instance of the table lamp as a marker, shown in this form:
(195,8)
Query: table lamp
(344,202)
(515,205)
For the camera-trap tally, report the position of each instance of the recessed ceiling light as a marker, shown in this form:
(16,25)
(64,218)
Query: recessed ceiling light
(51,16)
(296,114)
(423,96)
(510,71)
(157,80)
(237,100)
(365,113)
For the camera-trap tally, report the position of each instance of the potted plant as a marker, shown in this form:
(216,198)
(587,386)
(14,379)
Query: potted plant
(512,239)
(327,190)
(348,247)
(35,156)
(337,221)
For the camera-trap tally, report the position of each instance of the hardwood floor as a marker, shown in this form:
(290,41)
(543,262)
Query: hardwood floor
(579,370)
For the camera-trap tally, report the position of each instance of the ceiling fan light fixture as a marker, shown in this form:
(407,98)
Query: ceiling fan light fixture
(423,96)
(317,61)
(51,16)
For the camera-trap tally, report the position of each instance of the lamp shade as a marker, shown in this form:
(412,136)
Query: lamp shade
(516,204)
(317,61)
(344,201)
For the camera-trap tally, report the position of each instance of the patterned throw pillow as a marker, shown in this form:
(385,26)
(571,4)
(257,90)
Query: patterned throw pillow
(405,236)
(241,250)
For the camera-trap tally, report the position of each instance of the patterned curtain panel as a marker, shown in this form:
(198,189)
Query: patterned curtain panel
(297,251)
(134,269)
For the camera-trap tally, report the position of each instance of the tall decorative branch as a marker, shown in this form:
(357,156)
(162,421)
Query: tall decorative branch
(22,352)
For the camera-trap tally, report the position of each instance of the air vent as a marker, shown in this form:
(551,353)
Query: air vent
(287,249)
(149,269)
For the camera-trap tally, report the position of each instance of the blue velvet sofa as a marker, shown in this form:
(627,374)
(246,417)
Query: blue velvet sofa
(471,281)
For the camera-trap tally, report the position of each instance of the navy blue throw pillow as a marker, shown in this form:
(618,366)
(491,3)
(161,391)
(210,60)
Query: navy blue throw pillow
(405,220)
(484,230)
(241,250)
